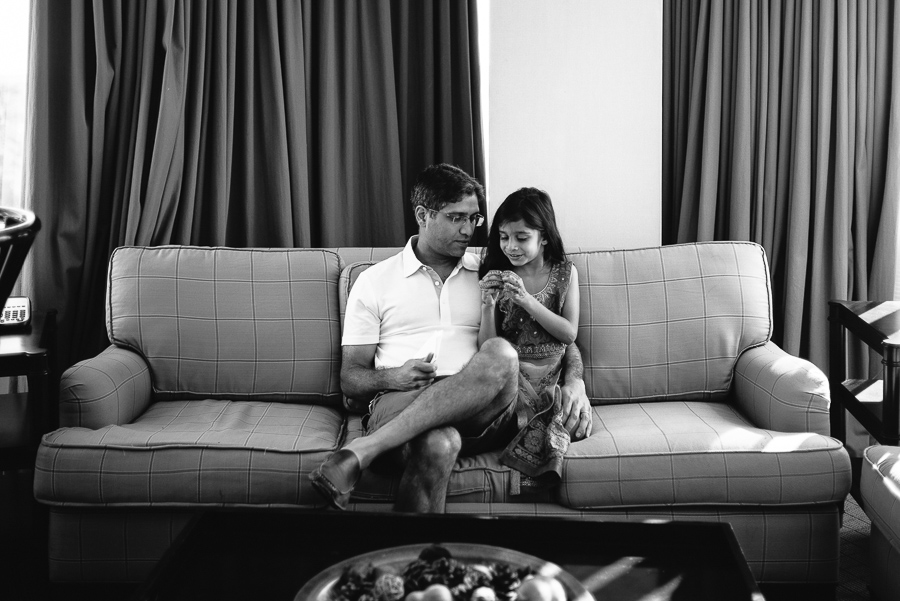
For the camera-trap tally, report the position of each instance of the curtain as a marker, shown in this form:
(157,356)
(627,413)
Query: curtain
(780,128)
(236,123)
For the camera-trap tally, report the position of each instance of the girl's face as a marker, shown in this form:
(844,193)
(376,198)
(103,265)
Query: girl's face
(521,243)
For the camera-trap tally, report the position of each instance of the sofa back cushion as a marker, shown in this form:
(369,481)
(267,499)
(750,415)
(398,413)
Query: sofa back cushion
(355,254)
(660,323)
(255,324)
(669,322)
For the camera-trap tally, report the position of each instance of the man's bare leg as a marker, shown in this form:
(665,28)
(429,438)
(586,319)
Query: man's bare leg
(475,395)
(429,460)
(471,398)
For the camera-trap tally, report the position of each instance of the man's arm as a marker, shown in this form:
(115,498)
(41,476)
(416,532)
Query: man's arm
(361,381)
(576,408)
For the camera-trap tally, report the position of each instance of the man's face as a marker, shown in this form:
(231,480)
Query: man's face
(445,237)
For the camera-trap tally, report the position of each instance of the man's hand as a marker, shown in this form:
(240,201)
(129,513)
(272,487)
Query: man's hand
(414,374)
(576,410)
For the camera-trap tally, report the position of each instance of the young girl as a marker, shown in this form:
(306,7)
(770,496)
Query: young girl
(530,298)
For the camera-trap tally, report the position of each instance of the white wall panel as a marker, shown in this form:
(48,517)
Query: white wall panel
(575,108)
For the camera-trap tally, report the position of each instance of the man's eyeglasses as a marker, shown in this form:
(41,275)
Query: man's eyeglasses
(457,218)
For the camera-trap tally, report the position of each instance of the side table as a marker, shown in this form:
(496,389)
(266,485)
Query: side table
(24,417)
(874,402)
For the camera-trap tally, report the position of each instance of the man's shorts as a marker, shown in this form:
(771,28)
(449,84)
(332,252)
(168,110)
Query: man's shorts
(388,404)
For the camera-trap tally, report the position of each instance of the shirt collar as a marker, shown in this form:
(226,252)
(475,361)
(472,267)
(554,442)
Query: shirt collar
(412,264)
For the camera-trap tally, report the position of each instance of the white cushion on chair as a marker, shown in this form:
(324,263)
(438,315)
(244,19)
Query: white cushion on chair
(880,490)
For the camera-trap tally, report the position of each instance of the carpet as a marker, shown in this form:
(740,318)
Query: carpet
(854,576)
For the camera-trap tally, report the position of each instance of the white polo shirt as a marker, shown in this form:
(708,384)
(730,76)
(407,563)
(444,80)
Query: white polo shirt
(402,306)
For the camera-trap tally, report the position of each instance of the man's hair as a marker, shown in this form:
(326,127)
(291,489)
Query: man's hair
(443,184)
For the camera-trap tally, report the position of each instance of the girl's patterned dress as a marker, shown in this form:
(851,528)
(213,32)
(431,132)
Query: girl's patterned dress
(537,451)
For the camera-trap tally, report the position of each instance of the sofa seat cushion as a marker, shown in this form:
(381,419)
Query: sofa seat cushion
(210,452)
(478,479)
(656,454)
(694,452)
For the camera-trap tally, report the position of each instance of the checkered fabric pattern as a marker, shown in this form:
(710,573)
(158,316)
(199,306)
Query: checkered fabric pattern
(207,342)
(112,388)
(209,452)
(669,322)
(121,546)
(781,544)
(880,490)
(778,391)
(355,254)
(478,479)
(658,454)
(258,324)
(676,453)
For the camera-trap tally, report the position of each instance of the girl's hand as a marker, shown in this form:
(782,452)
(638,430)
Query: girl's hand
(491,286)
(514,288)
(492,279)
(489,297)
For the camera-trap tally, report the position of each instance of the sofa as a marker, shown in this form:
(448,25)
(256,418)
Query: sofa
(880,492)
(220,387)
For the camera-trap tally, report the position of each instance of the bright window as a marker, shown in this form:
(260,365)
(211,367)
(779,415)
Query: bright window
(14,30)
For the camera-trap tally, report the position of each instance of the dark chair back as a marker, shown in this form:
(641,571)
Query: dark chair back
(18,228)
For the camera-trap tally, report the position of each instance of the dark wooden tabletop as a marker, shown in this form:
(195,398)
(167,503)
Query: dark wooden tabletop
(876,322)
(272,553)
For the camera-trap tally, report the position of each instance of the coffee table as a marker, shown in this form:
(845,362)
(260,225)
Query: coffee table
(271,553)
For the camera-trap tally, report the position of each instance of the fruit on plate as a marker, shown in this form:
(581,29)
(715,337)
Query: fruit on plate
(483,593)
(437,592)
(388,587)
(541,588)
(434,575)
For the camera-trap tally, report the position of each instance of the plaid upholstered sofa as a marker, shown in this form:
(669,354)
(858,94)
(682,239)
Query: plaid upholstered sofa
(221,388)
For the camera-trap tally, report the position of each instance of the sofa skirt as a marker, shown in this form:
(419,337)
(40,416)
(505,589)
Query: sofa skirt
(884,566)
(781,545)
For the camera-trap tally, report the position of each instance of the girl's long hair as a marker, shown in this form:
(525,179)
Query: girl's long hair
(534,207)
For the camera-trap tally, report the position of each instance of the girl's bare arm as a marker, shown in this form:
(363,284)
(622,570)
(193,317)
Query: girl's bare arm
(562,327)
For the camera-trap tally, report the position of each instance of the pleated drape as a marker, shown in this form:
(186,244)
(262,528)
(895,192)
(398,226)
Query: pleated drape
(238,123)
(780,127)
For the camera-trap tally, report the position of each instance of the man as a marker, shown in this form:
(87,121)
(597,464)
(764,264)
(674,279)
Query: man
(409,348)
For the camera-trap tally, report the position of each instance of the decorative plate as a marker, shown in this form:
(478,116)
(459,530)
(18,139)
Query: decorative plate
(397,558)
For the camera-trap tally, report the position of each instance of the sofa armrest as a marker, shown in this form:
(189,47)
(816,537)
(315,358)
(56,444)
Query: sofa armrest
(110,389)
(778,391)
